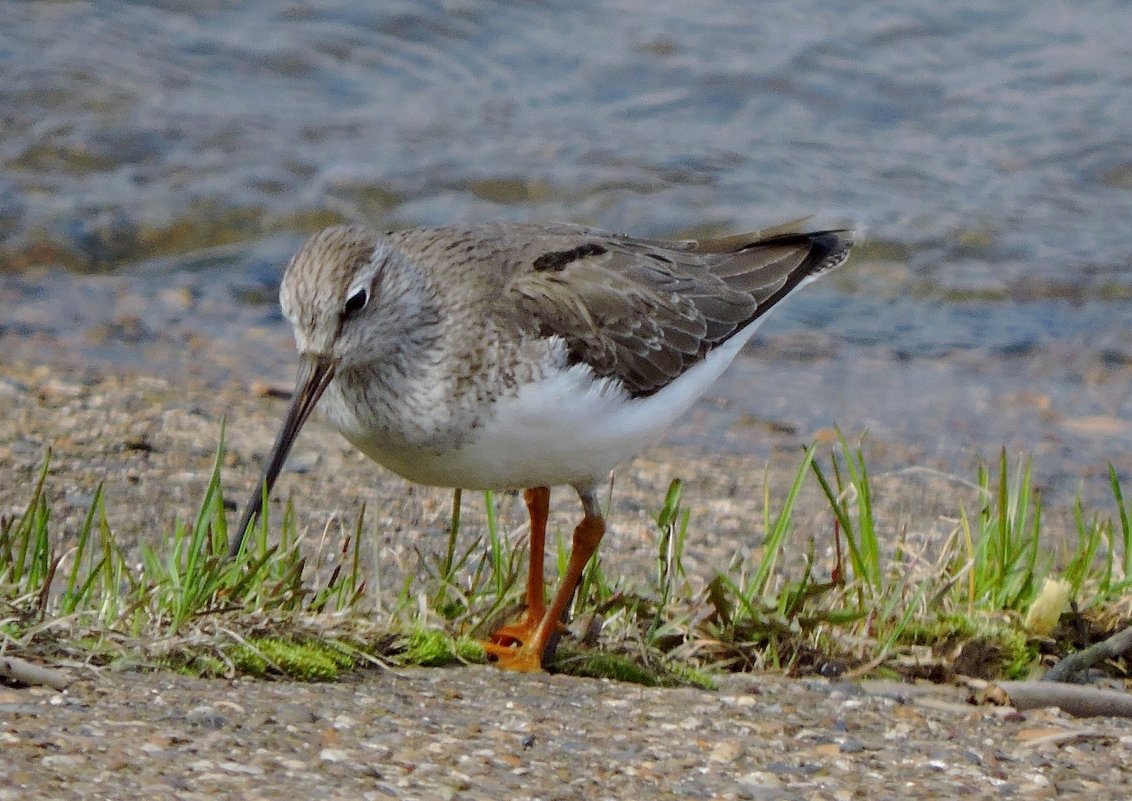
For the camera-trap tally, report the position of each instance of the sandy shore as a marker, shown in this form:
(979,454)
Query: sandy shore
(474,732)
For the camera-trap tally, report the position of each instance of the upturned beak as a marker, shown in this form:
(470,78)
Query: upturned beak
(315,374)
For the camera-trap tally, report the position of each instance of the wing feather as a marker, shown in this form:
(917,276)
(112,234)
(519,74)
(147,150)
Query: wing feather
(645,312)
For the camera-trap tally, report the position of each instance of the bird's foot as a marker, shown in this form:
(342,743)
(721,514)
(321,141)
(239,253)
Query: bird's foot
(518,646)
(519,658)
(517,633)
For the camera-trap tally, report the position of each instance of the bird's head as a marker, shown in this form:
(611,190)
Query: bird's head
(355,300)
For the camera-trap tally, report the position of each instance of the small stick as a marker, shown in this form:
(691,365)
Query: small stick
(1073,664)
(24,672)
(1077,700)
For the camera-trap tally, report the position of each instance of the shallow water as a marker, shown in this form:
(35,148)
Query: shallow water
(159,162)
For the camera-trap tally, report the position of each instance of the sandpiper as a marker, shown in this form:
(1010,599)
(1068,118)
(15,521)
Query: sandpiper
(522,357)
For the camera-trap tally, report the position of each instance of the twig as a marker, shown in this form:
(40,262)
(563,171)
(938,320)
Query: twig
(1079,701)
(24,672)
(1063,736)
(1073,664)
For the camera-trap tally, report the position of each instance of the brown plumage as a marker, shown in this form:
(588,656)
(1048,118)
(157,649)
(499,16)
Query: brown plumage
(523,356)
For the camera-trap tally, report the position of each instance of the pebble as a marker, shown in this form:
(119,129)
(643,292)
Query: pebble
(333,755)
(726,751)
(239,767)
(293,715)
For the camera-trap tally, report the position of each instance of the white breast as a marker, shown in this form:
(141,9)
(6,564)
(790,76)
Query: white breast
(566,428)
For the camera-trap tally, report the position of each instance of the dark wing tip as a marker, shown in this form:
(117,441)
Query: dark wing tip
(827,249)
(806,256)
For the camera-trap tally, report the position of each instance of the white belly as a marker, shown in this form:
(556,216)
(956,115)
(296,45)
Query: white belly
(564,429)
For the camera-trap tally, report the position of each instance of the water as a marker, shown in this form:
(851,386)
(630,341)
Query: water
(160,161)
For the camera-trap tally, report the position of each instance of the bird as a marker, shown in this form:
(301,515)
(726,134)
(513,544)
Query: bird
(522,356)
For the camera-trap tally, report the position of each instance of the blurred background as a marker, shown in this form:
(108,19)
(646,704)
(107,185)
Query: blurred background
(160,162)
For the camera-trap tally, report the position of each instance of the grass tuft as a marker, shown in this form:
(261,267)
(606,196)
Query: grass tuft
(864,601)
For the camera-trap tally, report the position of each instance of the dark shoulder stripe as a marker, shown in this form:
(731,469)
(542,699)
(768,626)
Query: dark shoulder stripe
(558,259)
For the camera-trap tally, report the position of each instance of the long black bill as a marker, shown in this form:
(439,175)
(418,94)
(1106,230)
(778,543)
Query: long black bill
(315,373)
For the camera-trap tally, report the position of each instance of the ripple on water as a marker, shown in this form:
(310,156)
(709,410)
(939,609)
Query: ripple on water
(166,148)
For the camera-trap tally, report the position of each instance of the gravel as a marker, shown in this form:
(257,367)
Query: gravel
(476,732)
(479,733)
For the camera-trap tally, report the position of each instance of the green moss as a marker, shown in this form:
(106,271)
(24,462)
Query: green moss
(431,648)
(933,631)
(981,646)
(677,674)
(1019,655)
(248,660)
(597,664)
(470,650)
(307,660)
(197,665)
(341,652)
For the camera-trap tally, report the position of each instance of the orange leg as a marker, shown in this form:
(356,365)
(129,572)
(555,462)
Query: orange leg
(505,637)
(527,656)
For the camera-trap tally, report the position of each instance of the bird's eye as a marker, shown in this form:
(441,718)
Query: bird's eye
(356,302)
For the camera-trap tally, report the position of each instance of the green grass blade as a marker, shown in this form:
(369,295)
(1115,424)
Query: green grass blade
(836,504)
(1125,525)
(1002,546)
(72,599)
(776,535)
